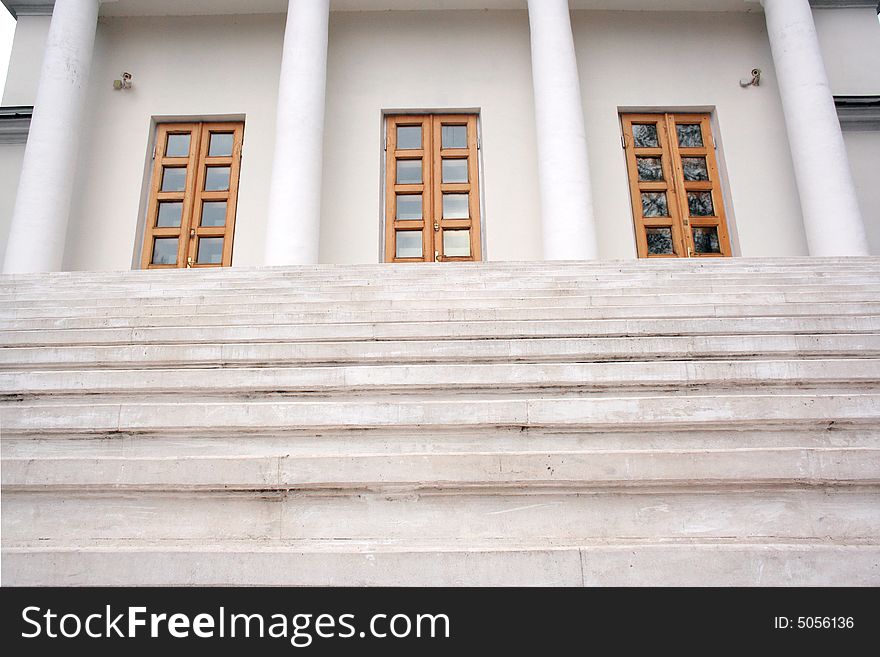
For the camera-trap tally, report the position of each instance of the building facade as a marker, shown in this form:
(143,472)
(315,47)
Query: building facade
(192,133)
(670,397)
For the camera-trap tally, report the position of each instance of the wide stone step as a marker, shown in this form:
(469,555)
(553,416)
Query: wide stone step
(455,563)
(675,422)
(195,292)
(392,442)
(134,314)
(583,350)
(251,316)
(813,266)
(256,317)
(851,513)
(722,411)
(489,327)
(110,296)
(468,470)
(451,379)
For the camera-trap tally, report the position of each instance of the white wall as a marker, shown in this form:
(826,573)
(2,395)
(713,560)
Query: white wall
(863,148)
(26,60)
(429,60)
(668,60)
(186,67)
(229,65)
(11,156)
(850,42)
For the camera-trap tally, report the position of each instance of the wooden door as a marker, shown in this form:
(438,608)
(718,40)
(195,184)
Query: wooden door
(677,204)
(432,193)
(193,195)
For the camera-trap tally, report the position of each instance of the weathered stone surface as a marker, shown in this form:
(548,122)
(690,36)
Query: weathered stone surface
(632,423)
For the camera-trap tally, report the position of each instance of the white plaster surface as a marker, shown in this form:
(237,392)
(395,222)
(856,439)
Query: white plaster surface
(11,157)
(675,61)
(218,67)
(850,42)
(26,60)
(228,66)
(863,149)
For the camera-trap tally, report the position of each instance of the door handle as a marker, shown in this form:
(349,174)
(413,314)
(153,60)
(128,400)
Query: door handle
(438,257)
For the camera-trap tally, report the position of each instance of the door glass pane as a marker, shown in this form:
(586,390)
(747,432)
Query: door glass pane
(213,213)
(177,146)
(454,136)
(409,137)
(690,135)
(700,204)
(645,135)
(217,179)
(455,206)
(695,168)
(409,243)
(210,251)
(706,239)
(165,251)
(659,241)
(170,214)
(455,171)
(409,207)
(650,168)
(457,243)
(173,179)
(220,145)
(654,204)
(409,172)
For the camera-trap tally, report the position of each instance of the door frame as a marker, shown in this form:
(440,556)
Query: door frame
(140,227)
(720,162)
(383,141)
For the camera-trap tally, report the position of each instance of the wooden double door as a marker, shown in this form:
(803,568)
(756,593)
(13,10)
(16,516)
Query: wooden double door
(193,195)
(432,193)
(677,204)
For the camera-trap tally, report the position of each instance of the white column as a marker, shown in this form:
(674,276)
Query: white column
(832,219)
(563,169)
(295,195)
(42,204)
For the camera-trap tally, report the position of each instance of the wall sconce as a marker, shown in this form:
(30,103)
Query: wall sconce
(755,80)
(124,83)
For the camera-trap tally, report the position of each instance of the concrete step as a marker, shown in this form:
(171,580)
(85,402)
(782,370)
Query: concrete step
(394,442)
(133,314)
(112,296)
(489,326)
(439,379)
(498,423)
(487,350)
(572,514)
(695,562)
(624,413)
(251,316)
(196,292)
(811,266)
(768,514)
(477,468)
